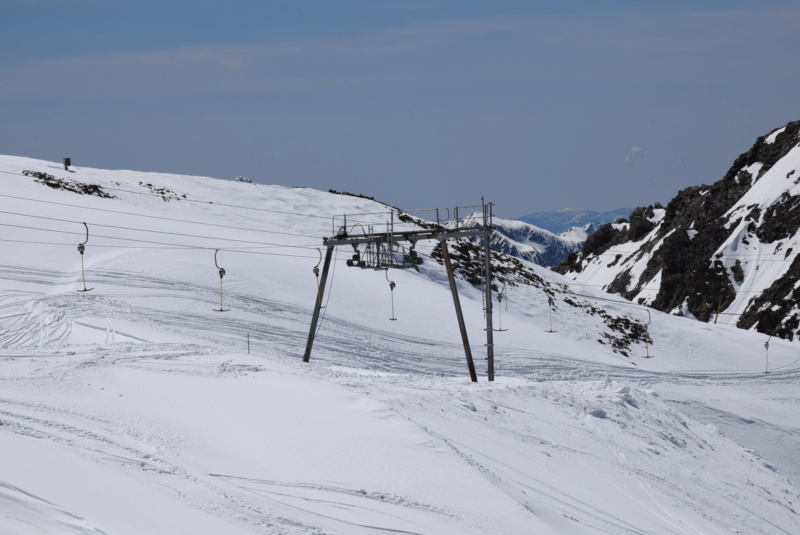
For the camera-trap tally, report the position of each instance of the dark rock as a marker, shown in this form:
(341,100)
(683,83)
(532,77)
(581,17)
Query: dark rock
(693,228)
(738,273)
(68,184)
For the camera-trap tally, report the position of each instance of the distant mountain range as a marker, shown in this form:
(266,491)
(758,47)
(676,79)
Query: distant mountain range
(560,220)
(531,243)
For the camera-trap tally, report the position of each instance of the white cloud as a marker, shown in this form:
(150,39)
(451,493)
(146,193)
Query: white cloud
(634,154)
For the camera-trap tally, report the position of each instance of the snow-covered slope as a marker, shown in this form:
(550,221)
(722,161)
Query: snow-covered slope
(135,408)
(579,234)
(724,253)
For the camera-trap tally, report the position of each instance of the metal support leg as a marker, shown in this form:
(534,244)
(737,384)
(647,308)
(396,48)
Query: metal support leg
(487,237)
(460,316)
(318,304)
(83,274)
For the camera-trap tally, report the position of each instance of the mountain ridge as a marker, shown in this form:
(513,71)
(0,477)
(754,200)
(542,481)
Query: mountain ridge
(722,251)
(534,244)
(558,221)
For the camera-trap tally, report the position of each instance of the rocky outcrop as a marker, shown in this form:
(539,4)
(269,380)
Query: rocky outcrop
(68,184)
(727,247)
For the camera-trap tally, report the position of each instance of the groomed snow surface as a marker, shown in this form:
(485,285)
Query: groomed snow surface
(135,408)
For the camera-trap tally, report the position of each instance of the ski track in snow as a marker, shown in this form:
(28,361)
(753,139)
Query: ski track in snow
(117,444)
(506,476)
(366,350)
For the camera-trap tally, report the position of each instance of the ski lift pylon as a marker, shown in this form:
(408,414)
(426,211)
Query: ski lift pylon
(551,304)
(647,339)
(500,297)
(392,286)
(81,249)
(221,274)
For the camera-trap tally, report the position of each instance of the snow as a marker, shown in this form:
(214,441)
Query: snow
(773,136)
(135,408)
(762,264)
(771,185)
(624,258)
(576,234)
(752,170)
(531,243)
(658,215)
(649,291)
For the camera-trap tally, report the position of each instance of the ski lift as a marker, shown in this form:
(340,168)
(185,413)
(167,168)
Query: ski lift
(391,291)
(221,274)
(550,305)
(316,274)
(355,261)
(412,259)
(647,339)
(500,297)
(81,249)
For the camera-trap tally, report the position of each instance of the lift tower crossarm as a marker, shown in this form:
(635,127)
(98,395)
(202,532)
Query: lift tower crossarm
(385,237)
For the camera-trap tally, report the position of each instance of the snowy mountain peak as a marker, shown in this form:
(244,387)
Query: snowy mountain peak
(579,234)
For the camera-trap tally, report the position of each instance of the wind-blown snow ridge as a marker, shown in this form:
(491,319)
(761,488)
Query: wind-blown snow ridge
(134,408)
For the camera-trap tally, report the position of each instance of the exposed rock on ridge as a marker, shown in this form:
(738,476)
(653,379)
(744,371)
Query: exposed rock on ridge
(730,247)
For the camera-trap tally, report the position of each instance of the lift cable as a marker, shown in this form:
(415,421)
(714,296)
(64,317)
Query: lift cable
(177,245)
(154,231)
(181,246)
(282,212)
(167,246)
(294,214)
(151,194)
(159,217)
(267,210)
(686,255)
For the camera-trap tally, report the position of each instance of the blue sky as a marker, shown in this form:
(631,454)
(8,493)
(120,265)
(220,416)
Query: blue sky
(534,105)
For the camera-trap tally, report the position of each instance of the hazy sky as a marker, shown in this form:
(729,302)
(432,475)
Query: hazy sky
(536,105)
